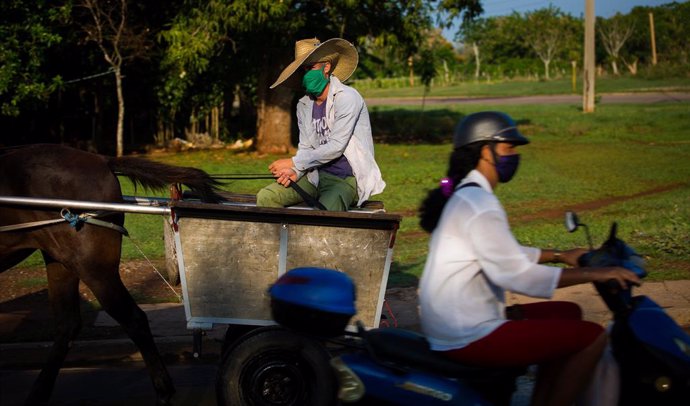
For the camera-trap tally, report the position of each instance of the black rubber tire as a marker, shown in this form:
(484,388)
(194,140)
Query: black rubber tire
(276,367)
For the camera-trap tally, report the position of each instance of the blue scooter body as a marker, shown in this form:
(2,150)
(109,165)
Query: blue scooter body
(410,387)
(654,328)
(653,352)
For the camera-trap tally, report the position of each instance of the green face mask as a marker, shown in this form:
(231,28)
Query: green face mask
(314,81)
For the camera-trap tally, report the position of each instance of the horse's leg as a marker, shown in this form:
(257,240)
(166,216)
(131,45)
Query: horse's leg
(8,258)
(63,292)
(113,296)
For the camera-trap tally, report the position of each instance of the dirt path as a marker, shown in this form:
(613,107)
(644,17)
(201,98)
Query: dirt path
(591,205)
(598,204)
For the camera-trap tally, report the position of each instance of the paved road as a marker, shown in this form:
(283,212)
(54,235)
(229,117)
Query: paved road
(129,385)
(613,98)
(110,385)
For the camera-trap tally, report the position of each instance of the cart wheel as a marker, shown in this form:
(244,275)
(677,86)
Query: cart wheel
(276,367)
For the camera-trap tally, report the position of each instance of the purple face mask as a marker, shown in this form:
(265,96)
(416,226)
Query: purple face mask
(506,166)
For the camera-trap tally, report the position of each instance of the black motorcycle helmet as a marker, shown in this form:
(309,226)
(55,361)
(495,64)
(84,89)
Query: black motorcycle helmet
(491,126)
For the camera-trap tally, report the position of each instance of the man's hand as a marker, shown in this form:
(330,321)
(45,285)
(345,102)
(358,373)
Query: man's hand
(281,165)
(285,177)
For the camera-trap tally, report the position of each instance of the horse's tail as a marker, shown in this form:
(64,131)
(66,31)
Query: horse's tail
(156,175)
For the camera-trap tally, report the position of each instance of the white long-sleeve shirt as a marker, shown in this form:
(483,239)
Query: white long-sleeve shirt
(473,259)
(348,119)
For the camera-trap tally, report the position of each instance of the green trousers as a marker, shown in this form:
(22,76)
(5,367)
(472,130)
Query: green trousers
(335,193)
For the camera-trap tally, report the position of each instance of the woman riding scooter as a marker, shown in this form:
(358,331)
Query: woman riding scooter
(474,258)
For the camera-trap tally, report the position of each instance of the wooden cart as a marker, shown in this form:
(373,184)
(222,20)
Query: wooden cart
(228,256)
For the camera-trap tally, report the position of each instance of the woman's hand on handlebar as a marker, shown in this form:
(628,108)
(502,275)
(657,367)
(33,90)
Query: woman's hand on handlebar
(622,276)
(570,257)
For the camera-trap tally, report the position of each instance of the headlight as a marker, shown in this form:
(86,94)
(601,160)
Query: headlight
(351,387)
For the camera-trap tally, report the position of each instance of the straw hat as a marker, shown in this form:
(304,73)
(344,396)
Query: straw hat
(340,53)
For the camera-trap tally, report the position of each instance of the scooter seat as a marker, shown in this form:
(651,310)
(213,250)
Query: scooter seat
(406,349)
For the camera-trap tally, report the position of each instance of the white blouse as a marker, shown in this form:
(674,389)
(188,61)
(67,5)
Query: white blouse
(473,259)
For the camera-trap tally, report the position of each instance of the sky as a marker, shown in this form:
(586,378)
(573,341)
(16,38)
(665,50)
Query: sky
(602,8)
(576,8)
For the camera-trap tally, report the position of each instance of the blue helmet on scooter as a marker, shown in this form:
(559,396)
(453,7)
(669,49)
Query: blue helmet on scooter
(490,126)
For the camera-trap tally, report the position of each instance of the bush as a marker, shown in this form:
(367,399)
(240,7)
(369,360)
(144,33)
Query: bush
(397,126)
(664,70)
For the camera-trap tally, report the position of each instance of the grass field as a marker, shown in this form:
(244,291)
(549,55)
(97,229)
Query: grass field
(528,87)
(625,163)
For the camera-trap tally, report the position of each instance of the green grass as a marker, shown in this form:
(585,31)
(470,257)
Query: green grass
(531,87)
(621,152)
(33,282)
(625,163)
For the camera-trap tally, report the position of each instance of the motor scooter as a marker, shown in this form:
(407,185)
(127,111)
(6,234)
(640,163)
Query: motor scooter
(288,364)
(651,349)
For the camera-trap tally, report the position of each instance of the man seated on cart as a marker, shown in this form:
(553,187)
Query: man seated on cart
(334,162)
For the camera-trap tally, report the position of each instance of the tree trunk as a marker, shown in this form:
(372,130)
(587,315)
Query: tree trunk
(274,117)
(614,66)
(120,111)
(546,68)
(215,131)
(477,68)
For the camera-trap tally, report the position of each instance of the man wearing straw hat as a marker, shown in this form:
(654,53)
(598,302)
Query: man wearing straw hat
(334,162)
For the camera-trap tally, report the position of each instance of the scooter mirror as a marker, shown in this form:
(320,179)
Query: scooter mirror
(571,221)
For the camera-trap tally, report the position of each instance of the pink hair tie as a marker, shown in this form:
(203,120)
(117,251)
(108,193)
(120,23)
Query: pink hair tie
(446,186)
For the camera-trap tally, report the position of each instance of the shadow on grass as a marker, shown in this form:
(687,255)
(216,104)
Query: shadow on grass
(407,126)
(417,126)
(400,276)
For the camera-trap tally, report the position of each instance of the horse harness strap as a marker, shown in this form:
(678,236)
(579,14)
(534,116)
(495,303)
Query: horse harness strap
(90,218)
(311,201)
(74,220)
(30,225)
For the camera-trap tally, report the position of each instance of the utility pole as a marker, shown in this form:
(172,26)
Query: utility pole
(651,30)
(589,62)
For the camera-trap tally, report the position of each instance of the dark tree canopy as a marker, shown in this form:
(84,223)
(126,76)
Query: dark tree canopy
(203,67)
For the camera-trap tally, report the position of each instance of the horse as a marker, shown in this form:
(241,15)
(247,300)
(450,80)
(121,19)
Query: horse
(87,253)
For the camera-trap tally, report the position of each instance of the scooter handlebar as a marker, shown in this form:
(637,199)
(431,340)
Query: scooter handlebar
(615,252)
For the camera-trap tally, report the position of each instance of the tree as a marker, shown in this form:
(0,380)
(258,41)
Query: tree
(614,32)
(544,34)
(671,31)
(193,68)
(500,42)
(106,25)
(27,31)
(426,66)
(259,38)
(474,33)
